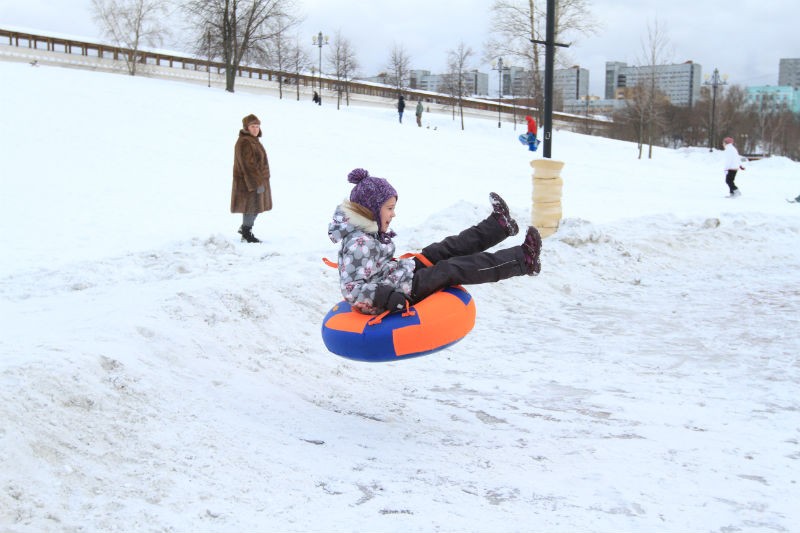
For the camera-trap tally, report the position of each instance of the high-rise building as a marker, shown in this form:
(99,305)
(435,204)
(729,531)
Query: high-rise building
(679,82)
(568,83)
(515,81)
(789,72)
(572,83)
(478,82)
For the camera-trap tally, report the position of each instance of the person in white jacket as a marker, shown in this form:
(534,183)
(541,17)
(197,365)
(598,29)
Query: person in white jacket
(733,163)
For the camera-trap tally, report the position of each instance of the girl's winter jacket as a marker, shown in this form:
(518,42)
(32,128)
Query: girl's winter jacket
(250,171)
(368,271)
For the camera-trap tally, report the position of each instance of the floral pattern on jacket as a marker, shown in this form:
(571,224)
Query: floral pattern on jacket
(367,266)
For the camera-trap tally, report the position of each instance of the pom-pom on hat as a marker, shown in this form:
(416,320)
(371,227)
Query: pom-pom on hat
(728,140)
(369,191)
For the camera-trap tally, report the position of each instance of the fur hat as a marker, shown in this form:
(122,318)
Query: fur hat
(370,192)
(728,140)
(250,119)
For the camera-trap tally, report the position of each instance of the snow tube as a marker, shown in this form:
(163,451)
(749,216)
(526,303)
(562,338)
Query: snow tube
(438,321)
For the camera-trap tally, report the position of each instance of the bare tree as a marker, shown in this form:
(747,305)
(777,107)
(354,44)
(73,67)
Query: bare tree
(276,53)
(763,126)
(298,62)
(516,23)
(654,55)
(678,128)
(398,67)
(789,140)
(768,124)
(731,105)
(457,65)
(131,23)
(342,59)
(238,28)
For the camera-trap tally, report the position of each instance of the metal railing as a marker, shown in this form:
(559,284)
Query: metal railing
(89,53)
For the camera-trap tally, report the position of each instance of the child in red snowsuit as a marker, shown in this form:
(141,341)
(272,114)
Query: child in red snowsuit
(530,137)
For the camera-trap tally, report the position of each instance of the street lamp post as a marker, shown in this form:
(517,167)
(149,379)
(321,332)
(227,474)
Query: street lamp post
(320,41)
(549,68)
(714,82)
(499,68)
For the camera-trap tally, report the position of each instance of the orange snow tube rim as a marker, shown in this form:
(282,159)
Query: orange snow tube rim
(438,321)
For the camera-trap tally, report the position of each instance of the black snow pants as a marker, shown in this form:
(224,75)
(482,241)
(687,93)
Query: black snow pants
(729,177)
(461,260)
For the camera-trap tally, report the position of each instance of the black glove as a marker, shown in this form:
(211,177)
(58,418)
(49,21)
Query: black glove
(389,299)
(397,302)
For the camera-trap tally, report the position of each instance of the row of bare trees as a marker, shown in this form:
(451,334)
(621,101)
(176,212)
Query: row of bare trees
(263,32)
(649,118)
(260,32)
(516,25)
(757,129)
(230,31)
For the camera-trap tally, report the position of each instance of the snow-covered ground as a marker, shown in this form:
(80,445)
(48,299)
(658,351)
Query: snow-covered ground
(158,375)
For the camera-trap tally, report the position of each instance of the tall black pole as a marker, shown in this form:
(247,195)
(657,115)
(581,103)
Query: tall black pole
(549,61)
(499,88)
(319,43)
(714,82)
(713,118)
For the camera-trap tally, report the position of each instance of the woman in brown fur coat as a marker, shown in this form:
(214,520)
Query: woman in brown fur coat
(250,194)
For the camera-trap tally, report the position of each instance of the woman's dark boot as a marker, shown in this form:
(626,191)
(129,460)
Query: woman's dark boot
(247,234)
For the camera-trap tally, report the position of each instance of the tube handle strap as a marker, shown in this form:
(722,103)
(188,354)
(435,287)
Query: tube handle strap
(422,259)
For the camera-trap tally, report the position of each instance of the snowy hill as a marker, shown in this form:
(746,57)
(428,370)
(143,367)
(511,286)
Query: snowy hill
(158,375)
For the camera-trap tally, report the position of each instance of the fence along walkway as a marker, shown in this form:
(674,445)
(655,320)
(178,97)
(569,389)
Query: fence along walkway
(48,49)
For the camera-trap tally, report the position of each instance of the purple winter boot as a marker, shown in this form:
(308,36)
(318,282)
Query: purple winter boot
(532,248)
(503,216)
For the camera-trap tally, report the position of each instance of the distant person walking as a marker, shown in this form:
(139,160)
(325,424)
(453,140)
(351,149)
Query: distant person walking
(733,163)
(401,106)
(533,142)
(250,192)
(420,109)
(529,139)
(317,100)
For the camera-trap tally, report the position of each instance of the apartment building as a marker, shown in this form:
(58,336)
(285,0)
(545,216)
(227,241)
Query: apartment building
(679,82)
(568,83)
(770,99)
(476,83)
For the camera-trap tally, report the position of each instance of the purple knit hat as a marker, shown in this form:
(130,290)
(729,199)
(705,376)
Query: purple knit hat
(369,191)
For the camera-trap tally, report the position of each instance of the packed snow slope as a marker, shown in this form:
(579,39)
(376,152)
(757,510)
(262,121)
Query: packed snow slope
(158,375)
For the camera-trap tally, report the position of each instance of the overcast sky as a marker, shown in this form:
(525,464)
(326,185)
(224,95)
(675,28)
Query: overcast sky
(744,39)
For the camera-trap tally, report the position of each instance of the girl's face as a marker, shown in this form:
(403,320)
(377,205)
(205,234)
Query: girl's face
(387,213)
(254,129)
